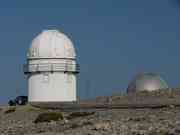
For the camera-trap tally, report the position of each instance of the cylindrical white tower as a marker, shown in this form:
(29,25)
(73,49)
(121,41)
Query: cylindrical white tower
(51,68)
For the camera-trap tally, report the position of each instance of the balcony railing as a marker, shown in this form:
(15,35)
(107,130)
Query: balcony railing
(51,67)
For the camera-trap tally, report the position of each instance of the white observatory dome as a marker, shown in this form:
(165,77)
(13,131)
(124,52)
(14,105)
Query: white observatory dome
(51,44)
(51,68)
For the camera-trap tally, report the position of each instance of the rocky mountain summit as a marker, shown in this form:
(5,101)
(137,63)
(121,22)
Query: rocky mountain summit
(28,120)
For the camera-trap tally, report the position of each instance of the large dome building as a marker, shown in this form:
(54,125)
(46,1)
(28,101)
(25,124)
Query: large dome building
(51,68)
(146,82)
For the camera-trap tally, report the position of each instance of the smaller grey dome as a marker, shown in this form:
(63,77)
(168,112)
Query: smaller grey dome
(146,82)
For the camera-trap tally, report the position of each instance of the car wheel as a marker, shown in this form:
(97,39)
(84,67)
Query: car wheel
(11,103)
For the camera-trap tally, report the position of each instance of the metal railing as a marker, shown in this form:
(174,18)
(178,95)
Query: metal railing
(50,67)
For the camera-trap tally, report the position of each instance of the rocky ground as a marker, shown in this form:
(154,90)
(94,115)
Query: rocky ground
(164,121)
(26,120)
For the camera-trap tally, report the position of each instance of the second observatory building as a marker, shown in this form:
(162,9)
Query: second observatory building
(51,68)
(146,82)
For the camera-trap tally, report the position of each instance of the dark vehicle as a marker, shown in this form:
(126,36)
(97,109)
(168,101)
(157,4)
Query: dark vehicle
(20,100)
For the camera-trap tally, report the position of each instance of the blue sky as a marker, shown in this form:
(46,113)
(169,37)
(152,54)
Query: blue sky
(114,40)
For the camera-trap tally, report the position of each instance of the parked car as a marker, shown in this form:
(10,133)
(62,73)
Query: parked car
(19,100)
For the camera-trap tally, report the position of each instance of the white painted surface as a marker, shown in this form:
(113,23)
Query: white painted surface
(51,44)
(52,87)
(52,68)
